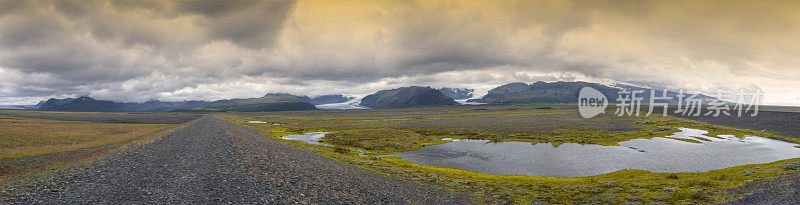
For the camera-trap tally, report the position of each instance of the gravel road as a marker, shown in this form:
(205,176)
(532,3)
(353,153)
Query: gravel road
(217,161)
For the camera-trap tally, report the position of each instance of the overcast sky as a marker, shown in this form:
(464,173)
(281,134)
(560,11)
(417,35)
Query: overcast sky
(208,50)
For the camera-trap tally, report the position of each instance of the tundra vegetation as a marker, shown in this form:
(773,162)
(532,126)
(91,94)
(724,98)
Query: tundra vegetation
(27,136)
(388,131)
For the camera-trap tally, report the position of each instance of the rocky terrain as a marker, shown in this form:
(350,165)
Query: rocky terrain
(782,122)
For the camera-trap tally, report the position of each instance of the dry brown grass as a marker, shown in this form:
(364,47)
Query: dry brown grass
(26,137)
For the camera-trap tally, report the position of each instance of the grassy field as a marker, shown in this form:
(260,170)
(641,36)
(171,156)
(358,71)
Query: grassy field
(25,136)
(398,130)
(105,117)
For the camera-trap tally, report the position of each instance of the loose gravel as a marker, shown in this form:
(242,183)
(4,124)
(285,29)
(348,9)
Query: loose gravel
(783,190)
(217,161)
(784,123)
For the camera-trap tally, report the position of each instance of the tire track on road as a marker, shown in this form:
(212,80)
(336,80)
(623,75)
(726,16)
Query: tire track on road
(217,161)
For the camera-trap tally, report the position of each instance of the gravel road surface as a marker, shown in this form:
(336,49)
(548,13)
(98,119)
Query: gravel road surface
(217,161)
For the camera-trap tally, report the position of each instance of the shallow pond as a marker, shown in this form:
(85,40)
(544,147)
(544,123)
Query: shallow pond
(572,160)
(313,138)
(308,138)
(260,122)
(256,122)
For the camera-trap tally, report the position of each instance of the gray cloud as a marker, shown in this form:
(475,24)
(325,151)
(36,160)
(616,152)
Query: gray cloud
(251,24)
(181,50)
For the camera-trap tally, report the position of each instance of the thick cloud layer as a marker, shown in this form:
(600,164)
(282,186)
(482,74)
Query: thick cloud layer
(207,50)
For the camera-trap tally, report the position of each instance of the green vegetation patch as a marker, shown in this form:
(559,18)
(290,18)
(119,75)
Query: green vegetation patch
(701,138)
(381,140)
(794,165)
(397,130)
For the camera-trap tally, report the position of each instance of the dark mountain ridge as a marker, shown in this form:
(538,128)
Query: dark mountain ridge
(538,92)
(566,93)
(407,97)
(87,104)
(267,103)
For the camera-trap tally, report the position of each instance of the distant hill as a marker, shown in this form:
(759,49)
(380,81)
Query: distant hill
(267,103)
(327,99)
(457,93)
(17,107)
(407,97)
(87,104)
(561,92)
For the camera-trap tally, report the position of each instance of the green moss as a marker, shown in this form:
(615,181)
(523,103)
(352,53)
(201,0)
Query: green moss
(341,150)
(794,165)
(701,139)
(684,139)
(389,131)
(382,141)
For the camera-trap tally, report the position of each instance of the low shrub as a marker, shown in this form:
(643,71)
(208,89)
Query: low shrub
(341,150)
(795,165)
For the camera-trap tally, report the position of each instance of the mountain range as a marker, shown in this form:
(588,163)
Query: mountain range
(87,104)
(407,97)
(266,103)
(567,92)
(327,99)
(538,92)
(457,93)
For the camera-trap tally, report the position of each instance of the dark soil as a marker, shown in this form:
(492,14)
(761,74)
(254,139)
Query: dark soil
(785,123)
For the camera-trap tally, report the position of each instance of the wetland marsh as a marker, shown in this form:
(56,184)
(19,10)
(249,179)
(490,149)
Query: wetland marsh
(661,155)
(397,131)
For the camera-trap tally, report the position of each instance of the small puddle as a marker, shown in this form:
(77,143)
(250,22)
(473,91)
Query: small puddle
(256,122)
(308,138)
(260,122)
(314,137)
